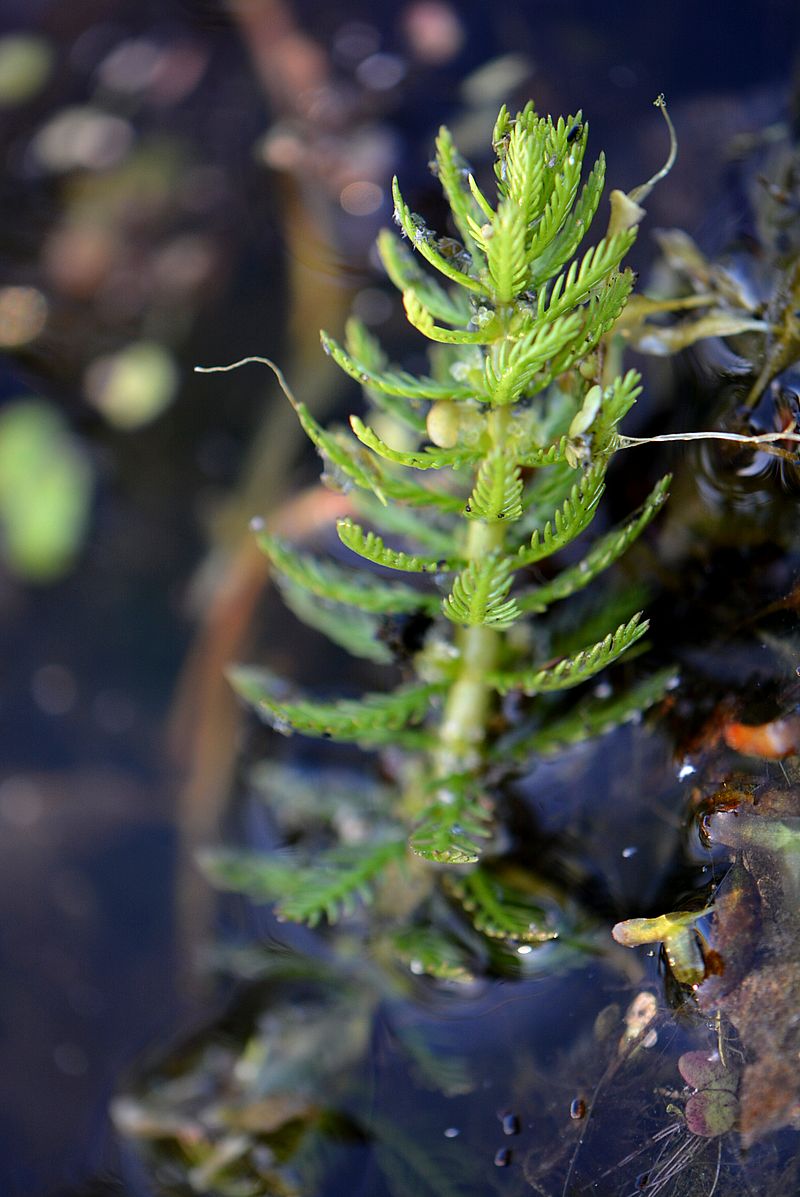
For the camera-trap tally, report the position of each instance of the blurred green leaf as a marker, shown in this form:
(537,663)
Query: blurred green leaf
(25,64)
(134,386)
(45,491)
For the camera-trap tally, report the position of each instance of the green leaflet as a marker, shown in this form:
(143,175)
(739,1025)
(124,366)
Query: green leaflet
(301,797)
(392,382)
(564,190)
(619,399)
(333,888)
(597,263)
(371,720)
(336,451)
(505,252)
(523,178)
(363,347)
(398,261)
(606,304)
(428,458)
(544,493)
(577,669)
(406,491)
(371,547)
(421,319)
(536,458)
(263,878)
(427,532)
(423,241)
(512,365)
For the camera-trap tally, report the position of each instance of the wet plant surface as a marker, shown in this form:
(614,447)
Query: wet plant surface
(560,1063)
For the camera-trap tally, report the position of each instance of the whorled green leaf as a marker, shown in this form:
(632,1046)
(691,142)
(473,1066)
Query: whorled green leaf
(406,491)
(339,585)
(427,458)
(341,454)
(603,554)
(512,365)
(407,275)
(497,494)
(575,227)
(574,515)
(258,875)
(591,718)
(618,399)
(420,318)
(565,181)
(429,532)
(334,886)
(454,827)
(524,171)
(393,382)
(535,458)
(506,259)
(371,720)
(498,910)
(370,546)
(362,346)
(601,313)
(480,594)
(595,266)
(430,952)
(545,493)
(353,630)
(305,797)
(331,888)
(573,670)
(424,242)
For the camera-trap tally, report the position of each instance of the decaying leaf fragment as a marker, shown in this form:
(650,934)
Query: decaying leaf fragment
(755,931)
(711,1110)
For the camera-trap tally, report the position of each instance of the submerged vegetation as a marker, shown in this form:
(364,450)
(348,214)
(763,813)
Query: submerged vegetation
(517,423)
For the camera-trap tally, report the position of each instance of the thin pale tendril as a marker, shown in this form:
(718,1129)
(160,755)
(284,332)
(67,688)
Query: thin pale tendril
(246,361)
(765,441)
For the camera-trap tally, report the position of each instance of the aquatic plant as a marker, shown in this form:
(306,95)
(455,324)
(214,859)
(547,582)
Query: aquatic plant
(517,423)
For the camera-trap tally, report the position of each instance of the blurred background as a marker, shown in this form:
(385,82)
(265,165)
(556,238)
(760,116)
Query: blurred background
(188,182)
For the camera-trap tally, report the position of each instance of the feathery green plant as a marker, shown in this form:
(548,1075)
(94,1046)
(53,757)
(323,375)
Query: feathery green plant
(465,478)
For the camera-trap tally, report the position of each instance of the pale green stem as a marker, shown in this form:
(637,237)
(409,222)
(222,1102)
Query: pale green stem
(462,731)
